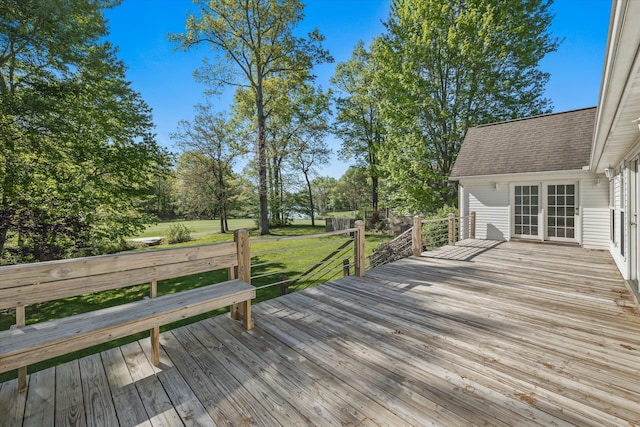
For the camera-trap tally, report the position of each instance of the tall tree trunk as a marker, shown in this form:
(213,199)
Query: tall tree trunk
(283,220)
(313,216)
(263,224)
(221,197)
(374,199)
(274,190)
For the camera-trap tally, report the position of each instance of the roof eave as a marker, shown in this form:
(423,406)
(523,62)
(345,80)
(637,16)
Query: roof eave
(521,174)
(621,59)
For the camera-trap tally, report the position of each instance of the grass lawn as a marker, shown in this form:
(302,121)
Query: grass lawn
(270,259)
(343,214)
(210,226)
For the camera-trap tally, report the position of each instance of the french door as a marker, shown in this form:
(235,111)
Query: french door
(526,208)
(561,212)
(545,211)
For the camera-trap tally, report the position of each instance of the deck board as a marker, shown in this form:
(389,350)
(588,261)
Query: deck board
(481,333)
(69,405)
(126,399)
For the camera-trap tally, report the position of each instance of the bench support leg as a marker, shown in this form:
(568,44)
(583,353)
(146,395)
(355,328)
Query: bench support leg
(155,345)
(155,332)
(242,311)
(22,379)
(21,320)
(234,312)
(247,321)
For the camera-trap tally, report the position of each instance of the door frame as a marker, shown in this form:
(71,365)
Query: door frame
(576,213)
(512,211)
(543,211)
(634,230)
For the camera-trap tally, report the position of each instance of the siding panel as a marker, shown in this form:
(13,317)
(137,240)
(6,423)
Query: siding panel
(595,214)
(492,210)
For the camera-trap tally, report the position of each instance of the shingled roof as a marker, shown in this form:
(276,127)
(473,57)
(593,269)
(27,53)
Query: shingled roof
(552,142)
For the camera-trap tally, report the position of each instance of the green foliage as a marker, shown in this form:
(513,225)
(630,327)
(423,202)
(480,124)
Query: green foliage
(210,146)
(178,233)
(254,46)
(352,190)
(444,66)
(77,155)
(322,189)
(359,121)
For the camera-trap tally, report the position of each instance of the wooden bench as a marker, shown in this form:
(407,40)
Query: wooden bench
(26,284)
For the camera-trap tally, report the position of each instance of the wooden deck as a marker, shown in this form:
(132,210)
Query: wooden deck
(508,334)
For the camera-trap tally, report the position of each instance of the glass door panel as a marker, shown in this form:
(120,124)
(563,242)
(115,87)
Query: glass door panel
(526,211)
(561,206)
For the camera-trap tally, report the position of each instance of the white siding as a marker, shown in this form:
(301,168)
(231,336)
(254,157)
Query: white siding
(463,210)
(595,214)
(491,206)
(491,201)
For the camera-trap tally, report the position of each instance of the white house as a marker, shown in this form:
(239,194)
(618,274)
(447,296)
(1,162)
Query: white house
(571,177)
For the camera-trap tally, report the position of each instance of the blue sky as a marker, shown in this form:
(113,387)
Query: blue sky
(164,77)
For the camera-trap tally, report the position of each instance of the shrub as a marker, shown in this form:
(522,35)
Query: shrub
(178,233)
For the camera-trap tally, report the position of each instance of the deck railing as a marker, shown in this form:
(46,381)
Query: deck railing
(341,257)
(425,234)
(433,233)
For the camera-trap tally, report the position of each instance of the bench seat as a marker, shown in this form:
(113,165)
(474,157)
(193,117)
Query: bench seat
(41,341)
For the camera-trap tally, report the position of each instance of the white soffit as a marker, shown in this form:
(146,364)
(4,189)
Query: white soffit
(619,103)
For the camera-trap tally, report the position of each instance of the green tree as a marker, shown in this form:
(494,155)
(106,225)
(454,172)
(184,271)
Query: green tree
(215,138)
(162,202)
(310,149)
(196,186)
(77,156)
(323,187)
(253,42)
(446,66)
(243,197)
(297,121)
(311,153)
(358,120)
(351,191)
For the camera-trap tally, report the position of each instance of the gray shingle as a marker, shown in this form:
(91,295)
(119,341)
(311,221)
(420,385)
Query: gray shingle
(553,142)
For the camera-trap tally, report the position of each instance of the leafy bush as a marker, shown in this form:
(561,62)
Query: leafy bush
(178,233)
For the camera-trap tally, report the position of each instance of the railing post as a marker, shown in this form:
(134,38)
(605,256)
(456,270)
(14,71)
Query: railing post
(243,272)
(472,226)
(358,248)
(416,236)
(452,229)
